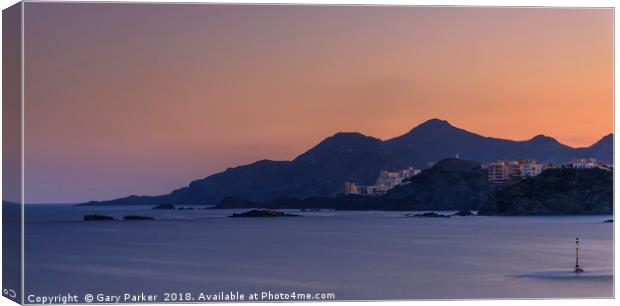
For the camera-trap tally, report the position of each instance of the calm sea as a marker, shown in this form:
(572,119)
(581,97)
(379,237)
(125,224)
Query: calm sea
(354,255)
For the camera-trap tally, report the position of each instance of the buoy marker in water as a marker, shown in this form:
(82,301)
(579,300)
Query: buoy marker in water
(577,268)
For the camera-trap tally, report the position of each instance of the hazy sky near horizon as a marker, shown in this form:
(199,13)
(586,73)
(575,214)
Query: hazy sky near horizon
(128,99)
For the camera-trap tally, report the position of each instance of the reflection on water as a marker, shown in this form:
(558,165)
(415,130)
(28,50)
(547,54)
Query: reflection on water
(356,255)
(571,275)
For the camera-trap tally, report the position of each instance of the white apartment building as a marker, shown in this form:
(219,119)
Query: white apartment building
(506,170)
(386,181)
(584,163)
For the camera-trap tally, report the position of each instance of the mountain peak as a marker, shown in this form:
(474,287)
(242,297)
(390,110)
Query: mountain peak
(543,139)
(434,123)
(606,142)
(340,143)
(609,137)
(349,135)
(433,126)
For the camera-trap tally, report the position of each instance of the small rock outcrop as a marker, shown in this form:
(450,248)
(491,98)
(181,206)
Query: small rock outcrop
(431,214)
(262,214)
(464,213)
(96,217)
(164,206)
(137,218)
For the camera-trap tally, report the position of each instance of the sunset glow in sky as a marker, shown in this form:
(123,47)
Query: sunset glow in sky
(141,99)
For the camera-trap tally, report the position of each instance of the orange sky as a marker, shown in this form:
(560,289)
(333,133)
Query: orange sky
(140,99)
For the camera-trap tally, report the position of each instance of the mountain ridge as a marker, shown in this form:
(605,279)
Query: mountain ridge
(352,156)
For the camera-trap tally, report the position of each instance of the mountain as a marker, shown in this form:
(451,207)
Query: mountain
(556,192)
(451,184)
(456,184)
(354,157)
(601,150)
(438,139)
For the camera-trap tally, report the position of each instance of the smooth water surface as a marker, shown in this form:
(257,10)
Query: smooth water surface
(363,255)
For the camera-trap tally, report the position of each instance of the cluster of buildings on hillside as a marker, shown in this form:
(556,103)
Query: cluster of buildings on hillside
(588,163)
(386,181)
(500,171)
(505,170)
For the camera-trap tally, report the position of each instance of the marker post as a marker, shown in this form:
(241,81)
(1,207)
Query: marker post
(577,268)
